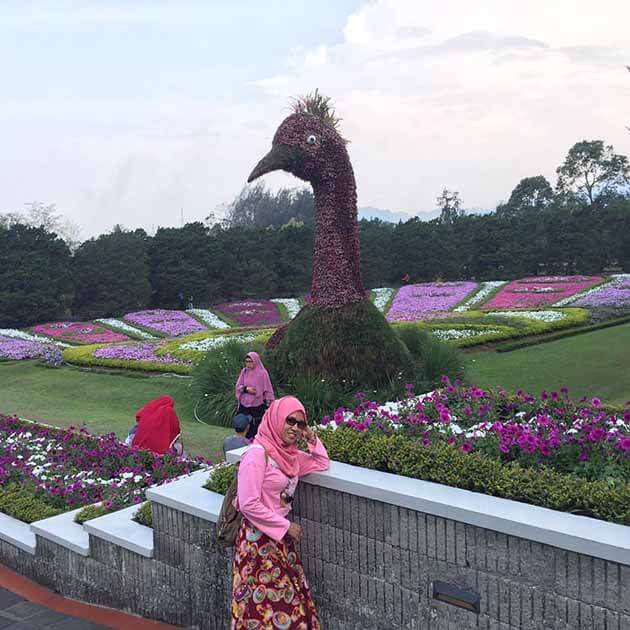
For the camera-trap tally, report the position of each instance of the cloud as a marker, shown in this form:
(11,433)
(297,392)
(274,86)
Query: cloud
(473,97)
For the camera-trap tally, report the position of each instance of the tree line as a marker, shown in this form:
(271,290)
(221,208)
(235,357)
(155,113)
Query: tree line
(263,247)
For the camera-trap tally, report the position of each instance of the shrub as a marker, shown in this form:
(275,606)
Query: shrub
(220,478)
(144,515)
(441,463)
(89,512)
(24,504)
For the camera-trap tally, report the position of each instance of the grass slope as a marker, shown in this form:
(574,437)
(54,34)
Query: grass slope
(102,402)
(592,364)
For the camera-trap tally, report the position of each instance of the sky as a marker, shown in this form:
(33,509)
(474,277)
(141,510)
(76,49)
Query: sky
(139,113)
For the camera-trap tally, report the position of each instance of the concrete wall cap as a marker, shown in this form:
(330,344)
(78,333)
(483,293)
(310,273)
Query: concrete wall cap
(62,529)
(17,533)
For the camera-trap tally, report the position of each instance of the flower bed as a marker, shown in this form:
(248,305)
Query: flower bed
(416,302)
(251,312)
(13,333)
(615,293)
(544,450)
(127,329)
(131,356)
(537,292)
(292,305)
(464,335)
(79,332)
(208,318)
(58,470)
(166,323)
(382,298)
(20,349)
(486,289)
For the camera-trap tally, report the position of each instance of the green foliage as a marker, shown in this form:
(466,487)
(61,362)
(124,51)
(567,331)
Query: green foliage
(441,463)
(84,356)
(89,512)
(35,276)
(144,515)
(353,345)
(214,378)
(180,262)
(112,274)
(318,105)
(24,504)
(434,357)
(220,478)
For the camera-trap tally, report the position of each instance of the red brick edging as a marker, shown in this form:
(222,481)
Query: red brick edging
(37,594)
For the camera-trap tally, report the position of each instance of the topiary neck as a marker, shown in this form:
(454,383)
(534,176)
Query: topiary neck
(336,256)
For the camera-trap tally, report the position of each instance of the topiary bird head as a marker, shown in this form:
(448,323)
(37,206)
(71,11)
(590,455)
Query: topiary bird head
(306,142)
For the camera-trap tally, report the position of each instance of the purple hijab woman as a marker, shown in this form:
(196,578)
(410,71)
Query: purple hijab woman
(254,391)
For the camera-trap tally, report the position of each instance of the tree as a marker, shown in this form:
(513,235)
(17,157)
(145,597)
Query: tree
(531,193)
(449,204)
(35,276)
(591,169)
(112,274)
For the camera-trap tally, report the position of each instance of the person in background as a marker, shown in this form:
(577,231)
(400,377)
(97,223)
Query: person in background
(240,424)
(265,559)
(157,428)
(254,391)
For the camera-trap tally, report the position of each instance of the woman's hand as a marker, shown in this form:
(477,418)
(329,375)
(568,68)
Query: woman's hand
(250,390)
(309,435)
(295,531)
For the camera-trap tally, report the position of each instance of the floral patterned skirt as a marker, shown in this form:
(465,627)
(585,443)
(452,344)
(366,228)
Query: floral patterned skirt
(269,589)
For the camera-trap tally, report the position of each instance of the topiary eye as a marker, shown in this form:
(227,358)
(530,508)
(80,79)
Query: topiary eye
(311,139)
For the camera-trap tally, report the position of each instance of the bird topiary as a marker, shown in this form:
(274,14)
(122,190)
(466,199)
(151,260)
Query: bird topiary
(340,334)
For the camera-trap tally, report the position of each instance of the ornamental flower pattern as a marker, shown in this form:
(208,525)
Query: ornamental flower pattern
(428,300)
(208,318)
(71,468)
(137,352)
(539,291)
(21,349)
(79,332)
(166,322)
(119,325)
(615,293)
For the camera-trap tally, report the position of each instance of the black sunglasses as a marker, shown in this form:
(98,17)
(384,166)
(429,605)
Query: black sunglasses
(291,421)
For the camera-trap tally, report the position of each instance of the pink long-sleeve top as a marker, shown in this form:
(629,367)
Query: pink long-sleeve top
(261,482)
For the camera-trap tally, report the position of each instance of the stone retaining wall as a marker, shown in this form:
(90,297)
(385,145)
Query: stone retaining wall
(371,564)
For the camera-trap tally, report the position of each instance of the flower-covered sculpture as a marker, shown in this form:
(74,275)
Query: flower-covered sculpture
(340,335)
(308,145)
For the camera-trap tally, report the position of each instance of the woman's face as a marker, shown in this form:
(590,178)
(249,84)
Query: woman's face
(249,363)
(291,434)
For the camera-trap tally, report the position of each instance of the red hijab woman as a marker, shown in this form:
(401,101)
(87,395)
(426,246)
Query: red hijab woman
(157,427)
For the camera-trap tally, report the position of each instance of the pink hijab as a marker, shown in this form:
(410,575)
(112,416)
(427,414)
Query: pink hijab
(270,432)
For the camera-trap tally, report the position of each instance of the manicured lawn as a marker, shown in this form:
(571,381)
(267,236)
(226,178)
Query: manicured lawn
(101,402)
(592,364)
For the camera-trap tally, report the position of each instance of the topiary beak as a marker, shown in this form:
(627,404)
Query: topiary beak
(279,158)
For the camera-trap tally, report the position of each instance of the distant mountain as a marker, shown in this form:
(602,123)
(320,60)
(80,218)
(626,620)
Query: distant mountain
(368,212)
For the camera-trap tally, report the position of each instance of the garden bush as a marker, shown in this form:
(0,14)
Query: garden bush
(24,504)
(144,515)
(220,478)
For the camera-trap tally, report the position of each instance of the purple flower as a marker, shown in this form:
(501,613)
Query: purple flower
(251,312)
(428,300)
(170,323)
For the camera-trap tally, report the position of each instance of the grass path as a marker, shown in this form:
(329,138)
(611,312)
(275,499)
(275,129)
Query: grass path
(593,364)
(100,402)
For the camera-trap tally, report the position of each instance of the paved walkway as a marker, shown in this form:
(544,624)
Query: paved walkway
(26,605)
(16,613)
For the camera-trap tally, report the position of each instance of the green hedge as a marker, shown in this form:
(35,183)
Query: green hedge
(89,512)
(221,478)
(441,463)
(24,505)
(84,356)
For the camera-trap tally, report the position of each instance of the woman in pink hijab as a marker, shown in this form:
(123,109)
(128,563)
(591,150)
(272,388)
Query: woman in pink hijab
(265,560)
(254,391)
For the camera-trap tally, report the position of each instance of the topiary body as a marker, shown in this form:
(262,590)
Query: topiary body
(326,338)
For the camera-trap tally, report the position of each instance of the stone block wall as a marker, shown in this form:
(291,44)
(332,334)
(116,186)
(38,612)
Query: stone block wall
(371,565)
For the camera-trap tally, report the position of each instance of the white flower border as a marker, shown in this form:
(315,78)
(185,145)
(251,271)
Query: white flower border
(604,285)
(121,326)
(25,336)
(203,345)
(292,305)
(381,297)
(208,318)
(481,296)
(541,316)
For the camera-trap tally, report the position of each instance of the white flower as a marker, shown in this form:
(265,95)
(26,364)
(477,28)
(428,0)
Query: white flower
(20,334)
(292,305)
(208,318)
(480,296)
(203,345)
(118,324)
(381,297)
(463,333)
